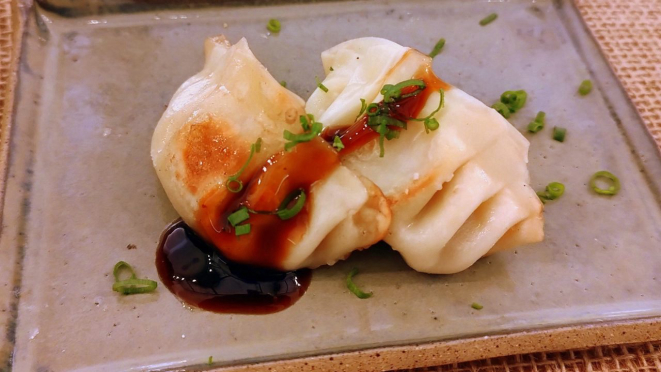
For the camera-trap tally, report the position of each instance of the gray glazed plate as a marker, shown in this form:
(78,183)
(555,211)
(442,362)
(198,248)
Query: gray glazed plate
(81,188)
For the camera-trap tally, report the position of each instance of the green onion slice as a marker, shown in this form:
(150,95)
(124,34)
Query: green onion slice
(354,288)
(555,190)
(612,189)
(514,99)
(311,127)
(210,362)
(239,216)
(431,124)
(242,229)
(283,83)
(502,109)
(273,25)
(559,134)
(477,306)
(585,88)
(320,85)
(392,93)
(363,107)
(488,19)
(537,124)
(331,68)
(437,48)
(233,183)
(337,143)
(122,265)
(286,210)
(131,285)
(134,285)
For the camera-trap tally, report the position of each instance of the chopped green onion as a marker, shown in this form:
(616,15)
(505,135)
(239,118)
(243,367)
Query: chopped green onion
(320,85)
(559,134)
(392,93)
(437,48)
(331,68)
(612,189)
(239,216)
(233,183)
(122,265)
(431,124)
(210,362)
(363,107)
(373,109)
(553,191)
(477,306)
(311,127)
(337,143)
(585,88)
(488,19)
(283,83)
(537,124)
(502,109)
(354,288)
(514,99)
(285,212)
(131,285)
(273,25)
(242,229)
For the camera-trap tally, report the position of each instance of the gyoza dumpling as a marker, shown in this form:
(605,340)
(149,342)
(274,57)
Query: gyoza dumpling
(458,192)
(232,114)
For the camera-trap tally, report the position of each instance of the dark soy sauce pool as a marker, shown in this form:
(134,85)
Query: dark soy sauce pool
(200,276)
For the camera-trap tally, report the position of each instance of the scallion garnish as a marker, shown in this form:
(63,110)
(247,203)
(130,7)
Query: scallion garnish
(612,189)
(233,183)
(502,109)
(239,216)
(559,134)
(286,210)
(283,83)
(537,124)
(331,68)
(363,107)
(514,99)
(311,130)
(337,143)
(585,88)
(354,288)
(477,306)
(431,124)
(132,285)
(320,85)
(392,93)
(210,362)
(273,25)
(437,48)
(242,229)
(553,191)
(488,19)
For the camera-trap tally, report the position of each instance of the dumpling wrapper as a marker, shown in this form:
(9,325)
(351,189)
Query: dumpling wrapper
(205,136)
(457,193)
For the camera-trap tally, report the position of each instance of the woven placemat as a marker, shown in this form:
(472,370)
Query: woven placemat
(629,33)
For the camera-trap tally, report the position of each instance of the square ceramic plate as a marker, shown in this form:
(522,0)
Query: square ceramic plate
(81,188)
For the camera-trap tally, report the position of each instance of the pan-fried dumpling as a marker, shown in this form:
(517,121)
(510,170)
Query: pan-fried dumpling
(458,192)
(218,151)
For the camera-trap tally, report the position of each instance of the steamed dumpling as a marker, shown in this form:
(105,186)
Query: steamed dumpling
(457,193)
(205,136)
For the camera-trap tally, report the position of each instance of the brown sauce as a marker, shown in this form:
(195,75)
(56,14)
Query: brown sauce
(198,274)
